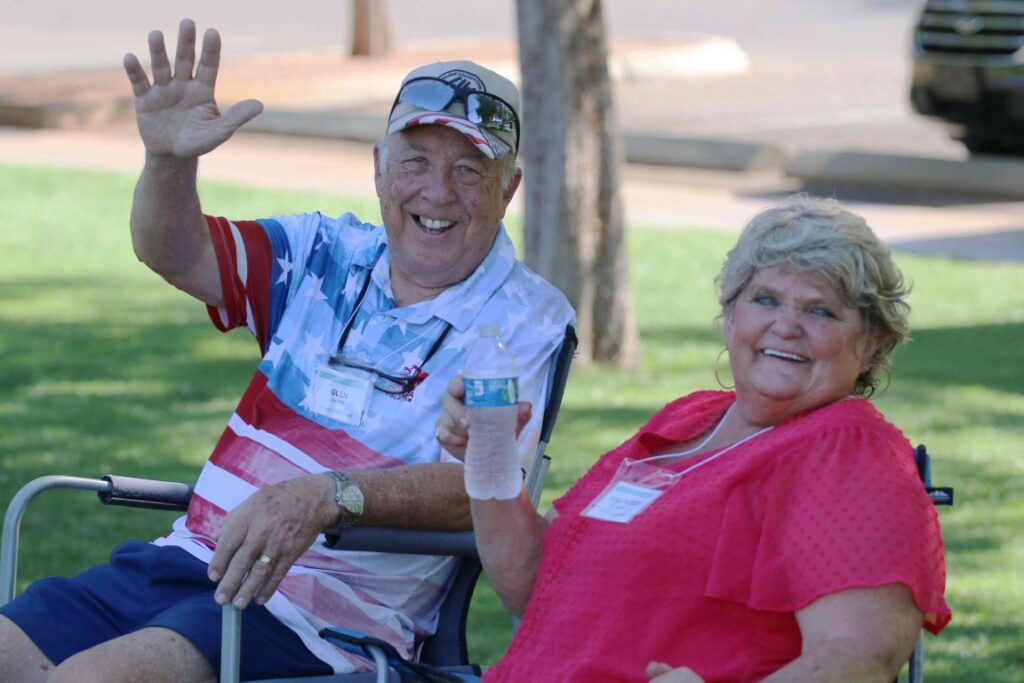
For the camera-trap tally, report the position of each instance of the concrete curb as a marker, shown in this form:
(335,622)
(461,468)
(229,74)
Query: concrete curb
(658,150)
(992,176)
(74,98)
(327,123)
(707,153)
(64,112)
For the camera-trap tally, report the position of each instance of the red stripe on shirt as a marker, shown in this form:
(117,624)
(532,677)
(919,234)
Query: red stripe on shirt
(332,448)
(254,293)
(308,594)
(204,518)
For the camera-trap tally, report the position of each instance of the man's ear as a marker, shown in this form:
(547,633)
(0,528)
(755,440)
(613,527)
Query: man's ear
(510,191)
(378,171)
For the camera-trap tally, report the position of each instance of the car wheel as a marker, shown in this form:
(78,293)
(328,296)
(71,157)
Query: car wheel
(978,143)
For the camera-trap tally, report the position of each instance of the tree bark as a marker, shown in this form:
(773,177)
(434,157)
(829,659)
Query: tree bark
(571,155)
(371,28)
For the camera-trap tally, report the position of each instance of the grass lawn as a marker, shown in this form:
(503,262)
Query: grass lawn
(103,367)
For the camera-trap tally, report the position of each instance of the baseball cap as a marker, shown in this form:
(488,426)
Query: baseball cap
(475,101)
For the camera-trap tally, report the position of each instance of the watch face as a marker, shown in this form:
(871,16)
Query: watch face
(352,499)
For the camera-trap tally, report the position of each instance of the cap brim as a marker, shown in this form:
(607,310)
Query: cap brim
(493,146)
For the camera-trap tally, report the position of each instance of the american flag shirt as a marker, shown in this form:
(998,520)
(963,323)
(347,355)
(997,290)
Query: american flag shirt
(293,282)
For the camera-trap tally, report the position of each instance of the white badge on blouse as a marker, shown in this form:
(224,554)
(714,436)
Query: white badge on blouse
(638,483)
(634,487)
(341,395)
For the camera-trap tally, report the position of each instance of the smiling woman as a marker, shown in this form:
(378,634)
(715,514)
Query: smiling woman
(812,305)
(748,535)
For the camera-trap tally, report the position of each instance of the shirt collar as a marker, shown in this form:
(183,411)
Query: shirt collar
(459,304)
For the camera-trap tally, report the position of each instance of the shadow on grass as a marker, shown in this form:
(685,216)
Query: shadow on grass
(67,382)
(983,651)
(139,389)
(985,355)
(681,334)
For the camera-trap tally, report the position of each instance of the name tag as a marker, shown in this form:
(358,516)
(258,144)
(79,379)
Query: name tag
(341,395)
(621,502)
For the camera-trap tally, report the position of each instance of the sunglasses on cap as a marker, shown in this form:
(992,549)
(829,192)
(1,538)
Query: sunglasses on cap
(484,110)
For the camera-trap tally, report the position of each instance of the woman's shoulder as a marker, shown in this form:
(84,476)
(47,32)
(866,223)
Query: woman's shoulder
(849,414)
(696,403)
(848,433)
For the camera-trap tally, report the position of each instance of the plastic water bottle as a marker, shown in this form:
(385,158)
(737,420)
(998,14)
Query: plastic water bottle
(491,379)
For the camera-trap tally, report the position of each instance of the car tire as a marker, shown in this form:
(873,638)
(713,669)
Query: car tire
(978,143)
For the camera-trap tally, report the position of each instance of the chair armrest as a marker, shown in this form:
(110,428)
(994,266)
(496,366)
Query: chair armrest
(152,494)
(402,541)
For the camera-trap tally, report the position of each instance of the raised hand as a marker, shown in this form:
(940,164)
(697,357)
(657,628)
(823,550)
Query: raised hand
(177,113)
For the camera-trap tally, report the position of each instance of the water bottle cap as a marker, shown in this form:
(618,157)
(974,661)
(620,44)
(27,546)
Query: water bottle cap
(490,331)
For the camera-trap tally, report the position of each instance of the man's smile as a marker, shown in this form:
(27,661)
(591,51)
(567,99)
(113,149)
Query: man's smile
(433,226)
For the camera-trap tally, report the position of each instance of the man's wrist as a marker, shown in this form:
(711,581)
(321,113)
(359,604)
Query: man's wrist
(348,499)
(168,165)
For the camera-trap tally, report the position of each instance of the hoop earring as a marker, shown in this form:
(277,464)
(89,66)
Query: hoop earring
(718,379)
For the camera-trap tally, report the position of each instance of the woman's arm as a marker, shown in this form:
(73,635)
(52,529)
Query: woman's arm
(854,636)
(509,533)
(509,536)
(861,634)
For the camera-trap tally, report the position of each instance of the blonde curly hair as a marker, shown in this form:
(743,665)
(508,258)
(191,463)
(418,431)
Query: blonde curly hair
(814,234)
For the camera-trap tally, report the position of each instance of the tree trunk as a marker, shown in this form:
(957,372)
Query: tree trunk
(371,28)
(572,156)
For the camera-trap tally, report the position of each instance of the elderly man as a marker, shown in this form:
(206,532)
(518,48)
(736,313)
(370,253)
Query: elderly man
(360,328)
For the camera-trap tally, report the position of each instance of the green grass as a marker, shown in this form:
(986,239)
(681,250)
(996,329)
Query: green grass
(103,367)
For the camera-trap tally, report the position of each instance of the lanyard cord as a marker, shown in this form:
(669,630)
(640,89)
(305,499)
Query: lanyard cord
(352,319)
(355,309)
(705,442)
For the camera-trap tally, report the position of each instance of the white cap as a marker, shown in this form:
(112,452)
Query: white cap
(494,143)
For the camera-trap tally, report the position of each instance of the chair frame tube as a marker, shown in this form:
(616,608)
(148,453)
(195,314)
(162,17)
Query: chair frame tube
(12,522)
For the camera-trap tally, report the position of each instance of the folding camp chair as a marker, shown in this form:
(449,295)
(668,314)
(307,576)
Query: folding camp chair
(940,495)
(446,648)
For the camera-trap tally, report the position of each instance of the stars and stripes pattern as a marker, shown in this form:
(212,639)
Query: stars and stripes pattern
(292,282)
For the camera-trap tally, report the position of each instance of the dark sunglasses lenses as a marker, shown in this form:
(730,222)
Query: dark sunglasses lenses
(427,94)
(395,385)
(490,112)
(482,109)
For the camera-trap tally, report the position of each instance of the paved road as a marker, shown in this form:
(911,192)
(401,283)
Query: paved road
(823,73)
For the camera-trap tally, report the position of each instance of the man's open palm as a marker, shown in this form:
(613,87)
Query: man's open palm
(177,113)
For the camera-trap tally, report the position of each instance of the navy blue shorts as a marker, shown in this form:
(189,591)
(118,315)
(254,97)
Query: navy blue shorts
(146,585)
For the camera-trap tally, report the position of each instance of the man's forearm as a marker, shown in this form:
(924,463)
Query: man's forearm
(429,496)
(168,229)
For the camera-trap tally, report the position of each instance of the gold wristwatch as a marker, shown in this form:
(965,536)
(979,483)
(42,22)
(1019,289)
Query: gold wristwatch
(349,498)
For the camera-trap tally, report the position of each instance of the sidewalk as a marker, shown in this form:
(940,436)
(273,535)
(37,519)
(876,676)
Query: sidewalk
(323,108)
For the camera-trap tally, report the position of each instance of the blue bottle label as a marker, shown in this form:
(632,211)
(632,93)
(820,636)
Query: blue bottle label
(491,393)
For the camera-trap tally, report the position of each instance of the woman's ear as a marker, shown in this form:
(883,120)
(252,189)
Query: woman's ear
(872,342)
(725,327)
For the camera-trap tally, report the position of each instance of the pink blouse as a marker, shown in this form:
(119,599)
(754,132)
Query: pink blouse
(711,574)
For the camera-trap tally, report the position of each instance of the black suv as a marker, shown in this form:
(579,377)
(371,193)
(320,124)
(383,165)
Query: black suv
(969,71)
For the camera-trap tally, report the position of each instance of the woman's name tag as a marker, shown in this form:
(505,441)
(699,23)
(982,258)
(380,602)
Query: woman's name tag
(621,502)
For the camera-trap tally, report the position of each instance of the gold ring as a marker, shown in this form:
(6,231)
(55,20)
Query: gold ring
(265,559)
